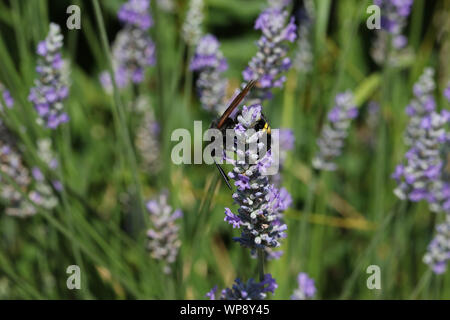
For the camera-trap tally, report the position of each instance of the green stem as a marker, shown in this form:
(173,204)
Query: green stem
(307,211)
(260,263)
(125,135)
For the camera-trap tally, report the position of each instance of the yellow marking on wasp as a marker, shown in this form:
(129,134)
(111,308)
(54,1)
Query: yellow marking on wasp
(267,128)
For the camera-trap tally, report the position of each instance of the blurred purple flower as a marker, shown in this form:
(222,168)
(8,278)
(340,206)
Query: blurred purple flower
(136,12)
(211,85)
(335,131)
(438,251)
(306,288)
(8,100)
(133,50)
(163,236)
(51,86)
(250,290)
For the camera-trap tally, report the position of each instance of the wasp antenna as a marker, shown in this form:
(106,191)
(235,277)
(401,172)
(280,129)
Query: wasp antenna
(224,176)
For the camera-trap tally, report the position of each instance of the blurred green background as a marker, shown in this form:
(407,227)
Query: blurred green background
(353,222)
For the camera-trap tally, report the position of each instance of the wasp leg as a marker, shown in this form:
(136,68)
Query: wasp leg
(224,176)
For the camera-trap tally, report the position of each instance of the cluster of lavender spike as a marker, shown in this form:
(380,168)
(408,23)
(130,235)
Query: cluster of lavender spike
(438,251)
(271,60)
(421,176)
(51,87)
(133,50)
(257,200)
(335,131)
(393,20)
(192,27)
(211,85)
(13,168)
(163,237)
(306,288)
(43,193)
(251,290)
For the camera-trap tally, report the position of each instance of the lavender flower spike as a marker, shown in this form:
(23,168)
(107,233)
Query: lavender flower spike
(250,290)
(393,20)
(271,61)
(447,92)
(51,87)
(12,167)
(163,237)
(306,288)
(133,50)
(257,213)
(43,193)
(438,253)
(148,136)
(210,63)
(192,27)
(335,131)
(304,56)
(421,177)
(421,105)
(8,100)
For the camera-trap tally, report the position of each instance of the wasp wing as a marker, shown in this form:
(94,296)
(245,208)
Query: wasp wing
(236,101)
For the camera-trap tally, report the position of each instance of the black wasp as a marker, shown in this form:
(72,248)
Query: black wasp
(226,122)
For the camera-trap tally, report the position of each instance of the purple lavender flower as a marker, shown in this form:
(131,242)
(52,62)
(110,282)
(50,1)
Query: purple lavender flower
(271,61)
(446,92)
(250,290)
(394,14)
(306,288)
(192,27)
(133,50)
(148,136)
(304,55)
(421,176)
(258,213)
(438,252)
(8,100)
(51,87)
(135,13)
(421,106)
(43,193)
(393,21)
(210,63)
(12,168)
(163,237)
(335,131)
